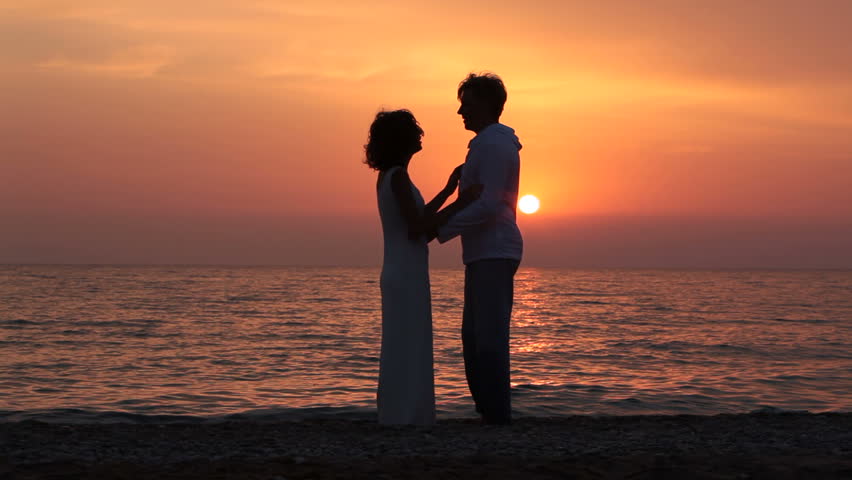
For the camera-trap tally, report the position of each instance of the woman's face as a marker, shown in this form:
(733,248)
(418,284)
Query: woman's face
(418,140)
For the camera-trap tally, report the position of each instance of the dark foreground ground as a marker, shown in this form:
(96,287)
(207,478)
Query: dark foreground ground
(753,446)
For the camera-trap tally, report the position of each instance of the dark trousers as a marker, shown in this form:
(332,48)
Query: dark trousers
(488,292)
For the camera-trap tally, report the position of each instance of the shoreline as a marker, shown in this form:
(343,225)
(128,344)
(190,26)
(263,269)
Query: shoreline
(754,445)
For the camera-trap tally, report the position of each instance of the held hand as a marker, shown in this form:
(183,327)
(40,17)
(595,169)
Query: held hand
(453,181)
(471,193)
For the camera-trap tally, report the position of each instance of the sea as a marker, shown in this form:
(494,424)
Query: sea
(206,343)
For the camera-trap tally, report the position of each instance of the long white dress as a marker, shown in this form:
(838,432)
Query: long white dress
(406,392)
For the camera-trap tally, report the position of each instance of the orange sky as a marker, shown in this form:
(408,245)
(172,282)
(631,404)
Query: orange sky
(232,131)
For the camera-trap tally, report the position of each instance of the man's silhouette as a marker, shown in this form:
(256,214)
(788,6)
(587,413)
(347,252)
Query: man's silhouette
(491,244)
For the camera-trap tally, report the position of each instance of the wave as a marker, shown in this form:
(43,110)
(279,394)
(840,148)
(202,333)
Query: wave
(578,402)
(18,322)
(93,416)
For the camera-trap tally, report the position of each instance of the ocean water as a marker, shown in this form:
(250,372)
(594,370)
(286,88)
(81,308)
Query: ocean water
(130,343)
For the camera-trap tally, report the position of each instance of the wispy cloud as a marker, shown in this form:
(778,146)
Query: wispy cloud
(141,61)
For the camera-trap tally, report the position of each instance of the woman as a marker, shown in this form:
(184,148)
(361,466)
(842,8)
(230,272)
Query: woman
(406,392)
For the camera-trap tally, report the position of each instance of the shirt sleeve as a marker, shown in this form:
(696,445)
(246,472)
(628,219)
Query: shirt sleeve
(495,165)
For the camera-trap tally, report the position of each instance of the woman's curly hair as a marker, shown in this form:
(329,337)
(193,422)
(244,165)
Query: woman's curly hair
(393,136)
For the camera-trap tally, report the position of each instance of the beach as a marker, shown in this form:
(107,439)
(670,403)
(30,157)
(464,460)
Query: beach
(757,445)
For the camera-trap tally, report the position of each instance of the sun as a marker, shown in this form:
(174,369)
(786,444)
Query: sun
(528,204)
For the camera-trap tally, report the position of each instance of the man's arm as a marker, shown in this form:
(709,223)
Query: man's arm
(496,165)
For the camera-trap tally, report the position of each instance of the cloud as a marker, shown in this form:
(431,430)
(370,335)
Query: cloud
(139,61)
(221,39)
(755,44)
(31,41)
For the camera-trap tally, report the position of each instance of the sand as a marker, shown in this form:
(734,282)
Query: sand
(757,445)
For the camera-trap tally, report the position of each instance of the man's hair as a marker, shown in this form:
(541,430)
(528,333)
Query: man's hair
(487,87)
(393,135)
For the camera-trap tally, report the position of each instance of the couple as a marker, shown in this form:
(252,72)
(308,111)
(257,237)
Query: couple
(484,215)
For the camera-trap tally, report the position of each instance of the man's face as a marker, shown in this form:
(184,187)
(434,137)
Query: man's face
(474,112)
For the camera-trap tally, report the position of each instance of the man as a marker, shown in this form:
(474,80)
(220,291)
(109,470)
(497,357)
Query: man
(491,244)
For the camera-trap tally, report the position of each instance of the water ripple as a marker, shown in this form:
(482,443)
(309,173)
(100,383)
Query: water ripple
(201,343)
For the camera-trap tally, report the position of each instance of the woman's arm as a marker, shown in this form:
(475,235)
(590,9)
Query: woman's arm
(466,197)
(452,183)
(427,222)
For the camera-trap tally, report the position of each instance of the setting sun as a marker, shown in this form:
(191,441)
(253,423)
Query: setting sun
(528,204)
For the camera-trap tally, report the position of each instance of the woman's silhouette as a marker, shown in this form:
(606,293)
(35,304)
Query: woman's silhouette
(406,390)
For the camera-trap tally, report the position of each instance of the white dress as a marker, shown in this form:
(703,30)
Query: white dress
(406,392)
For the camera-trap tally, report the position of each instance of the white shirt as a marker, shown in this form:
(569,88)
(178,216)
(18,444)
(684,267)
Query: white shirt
(488,226)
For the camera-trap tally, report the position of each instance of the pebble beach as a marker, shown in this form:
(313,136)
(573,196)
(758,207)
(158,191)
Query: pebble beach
(756,445)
